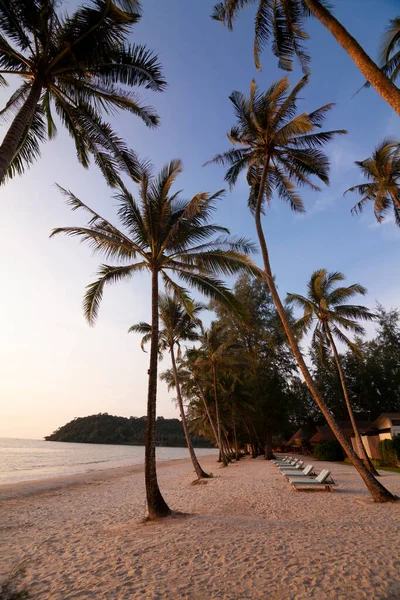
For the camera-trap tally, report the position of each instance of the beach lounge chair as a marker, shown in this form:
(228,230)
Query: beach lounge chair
(286,462)
(298,465)
(324,480)
(306,472)
(283,459)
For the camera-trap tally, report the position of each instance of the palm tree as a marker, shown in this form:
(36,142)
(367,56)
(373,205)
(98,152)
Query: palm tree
(325,306)
(191,372)
(75,64)
(165,235)
(382,172)
(178,326)
(390,50)
(217,350)
(283,21)
(279,149)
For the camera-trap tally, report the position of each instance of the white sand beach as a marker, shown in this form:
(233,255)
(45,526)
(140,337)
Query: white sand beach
(247,535)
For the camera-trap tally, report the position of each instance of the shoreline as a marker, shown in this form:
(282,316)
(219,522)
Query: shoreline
(19,489)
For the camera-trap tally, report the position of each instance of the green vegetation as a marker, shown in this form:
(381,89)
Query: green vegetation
(79,65)
(329,451)
(390,452)
(108,429)
(325,310)
(281,23)
(241,382)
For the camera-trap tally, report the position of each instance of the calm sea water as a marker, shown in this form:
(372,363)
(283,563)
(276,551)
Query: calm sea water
(25,460)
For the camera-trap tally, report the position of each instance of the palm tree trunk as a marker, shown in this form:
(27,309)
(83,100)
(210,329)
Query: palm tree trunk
(199,471)
(268,454)
(215,434)
(382,84)
(222,453)
(156,504)
(357,435)
(235,440)
(376,489)
(17,128)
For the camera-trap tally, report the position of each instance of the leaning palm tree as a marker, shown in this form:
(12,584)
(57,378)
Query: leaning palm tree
(178,325)
(79,65)
(325,307)
(165,235)
(283,21)
(279,150)
(382,172)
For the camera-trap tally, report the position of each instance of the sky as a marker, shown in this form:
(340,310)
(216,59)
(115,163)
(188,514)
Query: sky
(53,366)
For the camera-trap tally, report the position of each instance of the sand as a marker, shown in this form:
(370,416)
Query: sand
(248,535)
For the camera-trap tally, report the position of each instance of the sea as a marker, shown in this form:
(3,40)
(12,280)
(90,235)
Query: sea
(27,460)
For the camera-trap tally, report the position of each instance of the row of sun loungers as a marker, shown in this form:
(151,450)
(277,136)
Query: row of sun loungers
(301,476)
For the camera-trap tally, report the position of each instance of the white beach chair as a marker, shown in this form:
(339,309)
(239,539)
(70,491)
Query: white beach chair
(323,481)
(291,461)
(298,465)
(306,472)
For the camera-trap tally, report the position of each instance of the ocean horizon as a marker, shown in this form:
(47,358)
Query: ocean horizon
(28,460)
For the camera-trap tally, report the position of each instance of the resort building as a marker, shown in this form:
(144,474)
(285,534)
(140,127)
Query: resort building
(385,427)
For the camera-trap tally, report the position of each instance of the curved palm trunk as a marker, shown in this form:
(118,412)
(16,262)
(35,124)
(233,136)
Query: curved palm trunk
(211,421)
(220,446)
(377,490)
(156,504)
(17,128)
(199,471)
(382,84)
(357,435)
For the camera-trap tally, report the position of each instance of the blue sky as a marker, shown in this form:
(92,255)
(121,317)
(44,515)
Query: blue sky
(53,367)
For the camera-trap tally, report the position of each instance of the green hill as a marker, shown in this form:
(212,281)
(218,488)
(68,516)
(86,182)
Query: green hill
(108,429)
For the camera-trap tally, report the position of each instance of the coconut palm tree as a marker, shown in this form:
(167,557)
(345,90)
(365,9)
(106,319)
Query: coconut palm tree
(382,187)
(167,236)
(326,311)
(390,50)
(215,351)
(178,326)
(282,21)
(191,373)
(279,149)
(78,65)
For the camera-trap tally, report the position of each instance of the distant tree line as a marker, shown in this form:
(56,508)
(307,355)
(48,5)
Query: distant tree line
(109,429)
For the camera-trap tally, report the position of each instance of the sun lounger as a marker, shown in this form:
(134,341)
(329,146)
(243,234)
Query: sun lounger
(324,480)
(306,472)
(298,465)
(291,462)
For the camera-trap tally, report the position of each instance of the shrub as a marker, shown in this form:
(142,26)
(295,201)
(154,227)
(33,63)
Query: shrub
(389,451)
(330,451)
(396,446)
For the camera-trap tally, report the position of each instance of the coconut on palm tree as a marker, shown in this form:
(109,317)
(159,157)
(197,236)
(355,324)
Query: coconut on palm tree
(382,187)
(326,311)
(281,149)
(172,239)
(79,66)
(282,22)
(178,325)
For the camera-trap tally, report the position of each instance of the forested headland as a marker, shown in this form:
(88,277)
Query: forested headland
(109,429)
